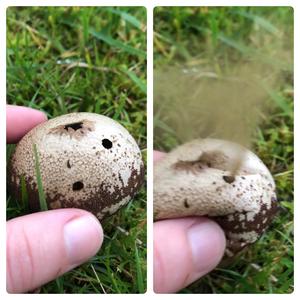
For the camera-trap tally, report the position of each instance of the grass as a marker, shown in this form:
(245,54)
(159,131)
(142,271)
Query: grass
(42,198)
(93,59)
(214,40)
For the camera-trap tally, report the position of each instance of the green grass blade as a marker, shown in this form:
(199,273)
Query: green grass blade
(59,283)
(278,99)
(24,194)
(234,44)
(9,151)
(127,17)
(262,22)
(42,198)
(116,43)
(139,82)
(139,273)
(114,282)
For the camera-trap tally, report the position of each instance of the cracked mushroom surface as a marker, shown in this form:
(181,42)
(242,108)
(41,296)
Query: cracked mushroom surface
(86,161)
(196,179)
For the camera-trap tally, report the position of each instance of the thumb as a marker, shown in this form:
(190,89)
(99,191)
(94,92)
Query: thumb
(184,250)
(44,245)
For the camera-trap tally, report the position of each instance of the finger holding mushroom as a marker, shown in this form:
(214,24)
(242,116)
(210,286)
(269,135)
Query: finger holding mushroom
(197,179)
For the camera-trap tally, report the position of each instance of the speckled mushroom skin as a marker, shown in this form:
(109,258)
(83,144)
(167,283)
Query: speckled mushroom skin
(86,160)
(196,179)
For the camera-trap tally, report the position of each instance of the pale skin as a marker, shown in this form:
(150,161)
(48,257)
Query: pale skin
(44,245)
(185,249)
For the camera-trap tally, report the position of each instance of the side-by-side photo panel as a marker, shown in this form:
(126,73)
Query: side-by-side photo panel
(223,150)
(76,154)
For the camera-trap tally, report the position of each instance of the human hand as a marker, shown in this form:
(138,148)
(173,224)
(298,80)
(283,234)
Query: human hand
(185,249)
(44,245)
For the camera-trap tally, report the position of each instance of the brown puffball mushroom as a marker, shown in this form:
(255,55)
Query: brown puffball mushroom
(196,179)
(86,161)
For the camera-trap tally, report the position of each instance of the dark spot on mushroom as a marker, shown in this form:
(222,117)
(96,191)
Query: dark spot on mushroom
(68,164)
(106,143)
(186,203)
(77,186)
(243,177)
(214,182)
(76,130)
(75,126)
(228,179)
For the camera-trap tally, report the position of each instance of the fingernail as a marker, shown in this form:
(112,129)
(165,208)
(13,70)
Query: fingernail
(83,238)
(40,114)
(207,244)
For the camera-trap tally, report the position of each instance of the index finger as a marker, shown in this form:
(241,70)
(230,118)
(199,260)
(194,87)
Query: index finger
(20,120)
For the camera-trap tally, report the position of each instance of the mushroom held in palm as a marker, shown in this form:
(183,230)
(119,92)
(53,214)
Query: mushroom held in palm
(197,179)
(86,161)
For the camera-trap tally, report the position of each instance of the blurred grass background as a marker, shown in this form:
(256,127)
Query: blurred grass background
(93,59)
(214,39)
